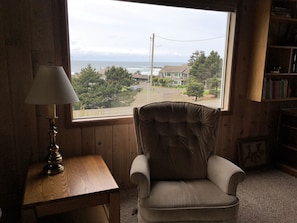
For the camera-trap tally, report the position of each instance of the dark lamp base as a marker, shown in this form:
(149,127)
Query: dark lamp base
(54,159)
(53,169)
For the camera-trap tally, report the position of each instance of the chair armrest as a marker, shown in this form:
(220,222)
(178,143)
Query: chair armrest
(224,174)
(140,175)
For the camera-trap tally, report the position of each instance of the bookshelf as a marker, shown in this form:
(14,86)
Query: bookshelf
(274,59)
(280,78)
(287,141)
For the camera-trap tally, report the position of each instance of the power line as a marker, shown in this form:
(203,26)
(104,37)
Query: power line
(199,40)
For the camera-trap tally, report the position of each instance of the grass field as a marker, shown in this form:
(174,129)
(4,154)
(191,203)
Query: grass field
(148,95)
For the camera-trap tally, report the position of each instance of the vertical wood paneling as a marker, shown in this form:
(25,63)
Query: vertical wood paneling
(238,124)
(263,127)
(42,26)
(43,136)
(70,139)
(103,143)
(132,147)
(224,136)
(132,153)
(120,154)
(88,141)
(38,57)
(18,133)
(19,65)
(42,52)
(58,7)
(7,137)
(70,142)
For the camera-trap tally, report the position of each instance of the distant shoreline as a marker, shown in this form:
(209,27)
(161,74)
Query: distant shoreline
(143,67)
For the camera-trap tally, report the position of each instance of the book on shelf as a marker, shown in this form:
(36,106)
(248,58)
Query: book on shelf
(294,61)
(275,89)
(281,11)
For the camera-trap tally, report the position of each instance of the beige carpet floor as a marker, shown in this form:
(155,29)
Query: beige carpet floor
(266,196)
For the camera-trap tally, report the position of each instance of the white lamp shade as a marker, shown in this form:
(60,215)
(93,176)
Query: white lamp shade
(51,86)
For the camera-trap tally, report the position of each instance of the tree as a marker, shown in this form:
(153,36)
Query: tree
(200,69)
(214,63)
(194,57)
(204,67)
(156,81)
(119,81)
(214,85)
(162,81)
(87,77)
(90,88)
(165,82)
(118,76)
(95,92)
(195,88)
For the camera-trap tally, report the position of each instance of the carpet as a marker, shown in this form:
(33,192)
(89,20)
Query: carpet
(266,196)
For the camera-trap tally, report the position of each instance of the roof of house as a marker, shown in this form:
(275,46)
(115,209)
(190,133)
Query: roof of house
(140,76)
(176,69)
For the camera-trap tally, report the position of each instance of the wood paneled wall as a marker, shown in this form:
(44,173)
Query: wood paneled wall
(30,35)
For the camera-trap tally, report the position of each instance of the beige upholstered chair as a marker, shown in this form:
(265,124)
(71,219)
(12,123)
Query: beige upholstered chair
(178,176)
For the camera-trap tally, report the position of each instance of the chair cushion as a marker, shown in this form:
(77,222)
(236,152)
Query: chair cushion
(177,138)
(196,200)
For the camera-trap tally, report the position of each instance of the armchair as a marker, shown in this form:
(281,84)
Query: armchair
(178,176)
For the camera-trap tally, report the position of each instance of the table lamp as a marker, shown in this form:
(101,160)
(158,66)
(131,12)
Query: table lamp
(51,86)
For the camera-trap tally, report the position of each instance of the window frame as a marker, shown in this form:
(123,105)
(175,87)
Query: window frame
(216,5)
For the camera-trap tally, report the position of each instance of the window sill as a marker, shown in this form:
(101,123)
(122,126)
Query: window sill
(95,121)
(115,120)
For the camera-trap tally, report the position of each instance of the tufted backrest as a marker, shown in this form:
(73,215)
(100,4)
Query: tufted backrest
(177,138)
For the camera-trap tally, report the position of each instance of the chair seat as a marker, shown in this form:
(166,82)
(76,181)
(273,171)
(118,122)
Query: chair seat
(191,201)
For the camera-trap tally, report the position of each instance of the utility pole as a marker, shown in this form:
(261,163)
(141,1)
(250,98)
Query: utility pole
(152,61)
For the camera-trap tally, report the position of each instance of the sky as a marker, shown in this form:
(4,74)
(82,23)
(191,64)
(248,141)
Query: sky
(111,30)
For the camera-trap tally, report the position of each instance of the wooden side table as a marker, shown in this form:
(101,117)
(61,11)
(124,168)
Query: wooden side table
(85,182)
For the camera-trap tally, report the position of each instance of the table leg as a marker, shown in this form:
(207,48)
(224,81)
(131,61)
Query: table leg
(114,207)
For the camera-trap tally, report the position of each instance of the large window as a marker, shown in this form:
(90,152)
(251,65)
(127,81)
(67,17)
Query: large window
(126,54)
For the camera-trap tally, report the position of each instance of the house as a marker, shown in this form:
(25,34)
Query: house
(33,33)
(178,74)
(140,77)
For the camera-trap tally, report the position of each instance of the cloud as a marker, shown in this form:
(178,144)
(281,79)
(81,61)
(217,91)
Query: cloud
(123,30)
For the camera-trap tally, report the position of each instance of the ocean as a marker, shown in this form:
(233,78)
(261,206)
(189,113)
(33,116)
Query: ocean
(132,67)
